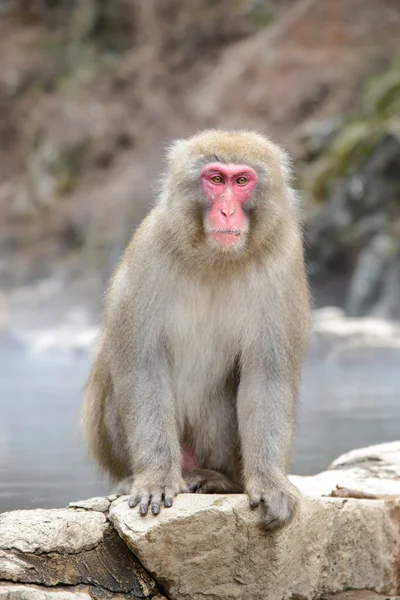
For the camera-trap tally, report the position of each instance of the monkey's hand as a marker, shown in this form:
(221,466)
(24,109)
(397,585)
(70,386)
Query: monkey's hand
(279,500)
(148,493)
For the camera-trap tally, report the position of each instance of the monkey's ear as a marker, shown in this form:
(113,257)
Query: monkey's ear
(174,150)
(288,179)
(286,167)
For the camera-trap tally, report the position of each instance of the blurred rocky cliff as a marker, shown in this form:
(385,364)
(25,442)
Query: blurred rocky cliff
(91,91)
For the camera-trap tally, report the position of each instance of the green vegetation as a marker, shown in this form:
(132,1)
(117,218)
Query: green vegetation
(357,138)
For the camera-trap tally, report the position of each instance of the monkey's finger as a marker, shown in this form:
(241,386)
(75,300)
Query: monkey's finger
(169,496)
(133,500)
(144,504)
(255,500)
(168,501)
(156,502)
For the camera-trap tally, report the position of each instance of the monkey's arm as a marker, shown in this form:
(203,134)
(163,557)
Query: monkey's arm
(142,390)
(265,414)
(268,391)
(145,397)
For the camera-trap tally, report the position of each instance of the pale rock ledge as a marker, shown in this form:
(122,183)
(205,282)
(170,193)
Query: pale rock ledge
(212,547)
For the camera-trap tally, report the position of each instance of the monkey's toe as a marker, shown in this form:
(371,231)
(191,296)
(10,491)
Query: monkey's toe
(168,502)
(133,501)
(206,481)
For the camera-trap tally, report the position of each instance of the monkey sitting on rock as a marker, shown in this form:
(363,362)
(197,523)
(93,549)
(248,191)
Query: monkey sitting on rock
(196,376)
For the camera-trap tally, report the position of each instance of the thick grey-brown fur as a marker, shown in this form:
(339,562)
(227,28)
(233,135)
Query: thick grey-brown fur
(203,345)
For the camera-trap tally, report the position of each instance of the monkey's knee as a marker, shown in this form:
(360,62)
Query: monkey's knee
(206,481)
(123,487)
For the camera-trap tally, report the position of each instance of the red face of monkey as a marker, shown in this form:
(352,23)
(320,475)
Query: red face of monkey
(227,187)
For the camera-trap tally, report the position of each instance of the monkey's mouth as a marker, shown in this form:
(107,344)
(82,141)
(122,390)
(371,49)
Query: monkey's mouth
(226,237)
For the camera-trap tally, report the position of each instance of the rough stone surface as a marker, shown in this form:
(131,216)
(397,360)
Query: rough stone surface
(213,547)
(25,592)
(359,595)
(33,592)
(383,457)
(374,470)
(42,531)
(69,547)
(99,504)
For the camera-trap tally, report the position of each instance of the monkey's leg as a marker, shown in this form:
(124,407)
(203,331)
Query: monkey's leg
(216,447)
(207,481)
(265,410)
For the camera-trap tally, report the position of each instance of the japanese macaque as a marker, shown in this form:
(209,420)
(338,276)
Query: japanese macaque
(197,371)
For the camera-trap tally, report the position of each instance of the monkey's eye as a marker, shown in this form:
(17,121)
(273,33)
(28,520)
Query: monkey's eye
(241,180)
(217,179)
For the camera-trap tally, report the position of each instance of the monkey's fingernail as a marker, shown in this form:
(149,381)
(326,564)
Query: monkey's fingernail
(143,510)
(254,504)
(168,502)
(155,509)
(132,502)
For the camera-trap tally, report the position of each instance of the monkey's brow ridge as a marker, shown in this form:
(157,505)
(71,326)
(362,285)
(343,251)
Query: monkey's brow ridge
(235,159)
(209,158)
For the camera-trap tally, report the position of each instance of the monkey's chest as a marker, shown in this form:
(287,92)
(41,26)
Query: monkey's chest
(204,338)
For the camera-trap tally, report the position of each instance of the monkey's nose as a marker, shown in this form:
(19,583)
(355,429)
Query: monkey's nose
(225,212)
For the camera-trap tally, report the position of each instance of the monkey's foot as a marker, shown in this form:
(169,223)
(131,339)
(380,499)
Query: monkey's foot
(206,481)
(279,502)
(147,495)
